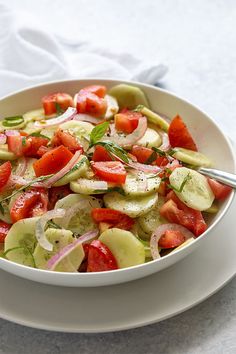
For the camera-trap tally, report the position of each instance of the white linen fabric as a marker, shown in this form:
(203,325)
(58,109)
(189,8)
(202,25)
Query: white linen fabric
(29,55)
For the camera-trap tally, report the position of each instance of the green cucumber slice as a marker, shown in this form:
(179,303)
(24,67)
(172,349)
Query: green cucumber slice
(132,206)
(194,158)
(74,175)
(21,242)
(5,154)
(153,117)
(59,239)
(150,221)
(196,192)
(128,96)
(132,185)
(126,248)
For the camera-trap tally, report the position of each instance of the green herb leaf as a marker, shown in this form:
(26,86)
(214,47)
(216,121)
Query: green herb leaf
(39,135)
(12,121)
(180,189)
(98,132)
(23,141)
(59,110)
(52,224)
(158,151)
(151,158)
(114,149)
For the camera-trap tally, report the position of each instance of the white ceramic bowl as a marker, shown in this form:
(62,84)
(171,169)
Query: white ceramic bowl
(206,133)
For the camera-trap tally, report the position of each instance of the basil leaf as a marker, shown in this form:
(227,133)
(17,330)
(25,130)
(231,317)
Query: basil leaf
(39,135)
(98,132)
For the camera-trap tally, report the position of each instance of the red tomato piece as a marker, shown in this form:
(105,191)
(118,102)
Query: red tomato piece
(171,239)
(101,154)
(25,145)
(91,100)
(113,217)
(177,212)
(50,102)
(31,203)
(53,161)
(4,228)
(219,190)
(110,171)
(100,258)
(62,137)
(5,172)
(179,135)
(42,150)
(127,121)
(57,193)
(141,153)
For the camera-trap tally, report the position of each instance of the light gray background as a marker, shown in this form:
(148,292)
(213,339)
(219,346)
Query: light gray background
(197,40)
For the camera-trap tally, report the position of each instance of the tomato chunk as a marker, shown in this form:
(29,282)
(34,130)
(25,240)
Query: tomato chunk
(127,121)
(31,203)
(171,239)
(179,135)
(219,190)
(4,228)
(177,212)
(100,258)
(110,171)
(5,172)
(91,100)
(53,161)
(25,145)
(62,137)
(141,153)
(101,154)
(50,102)
(113,217)
(57,193)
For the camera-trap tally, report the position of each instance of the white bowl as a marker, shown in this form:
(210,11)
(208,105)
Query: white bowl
(206,133)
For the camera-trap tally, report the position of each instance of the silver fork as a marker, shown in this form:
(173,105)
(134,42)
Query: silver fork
(225,177)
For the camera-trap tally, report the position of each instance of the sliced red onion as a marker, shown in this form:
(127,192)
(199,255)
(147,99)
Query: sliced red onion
(40,226)
(48,183)
(3,139)
(67,115)
(21,167)
(15,179)
(130,139)
(145,168)
(65,251)
(87,118)
(165,146)
(160,231)
(12,133)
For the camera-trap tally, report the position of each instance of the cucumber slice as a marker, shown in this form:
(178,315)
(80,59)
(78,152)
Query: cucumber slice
(214,208)
(151,138)
(191,157)
(86,186)
(126,248)
(82,221)
(150,221)
(153,117)
(128,96)
(5,154)
(36,114)
(29,173)
(74,175)
(196,192)
(59,239)
(132,185)
(112,107)
(131,206)
(138,231)
(15,127)
(21,242)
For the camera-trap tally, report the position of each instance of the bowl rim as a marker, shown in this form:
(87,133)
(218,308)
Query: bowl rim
(150,264)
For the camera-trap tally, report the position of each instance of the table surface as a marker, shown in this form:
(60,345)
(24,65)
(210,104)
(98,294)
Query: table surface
(197,42)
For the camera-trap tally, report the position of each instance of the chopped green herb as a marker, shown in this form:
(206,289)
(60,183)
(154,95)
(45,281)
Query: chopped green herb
(158,151)
(52,224)
(97,133)
(12,121)
(115,149)
(151,158)
(59,110)
(23,142)
(17,248)
(39,135)
(180,189)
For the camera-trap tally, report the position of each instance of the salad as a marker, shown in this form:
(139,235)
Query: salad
(99,182)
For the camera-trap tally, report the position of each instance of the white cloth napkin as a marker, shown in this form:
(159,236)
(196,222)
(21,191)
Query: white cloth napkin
(29,55)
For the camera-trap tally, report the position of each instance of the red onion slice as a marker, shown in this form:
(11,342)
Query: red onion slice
(139,166)
(12,133)
(48,183)
(67,115)
(21,167)
(65,251)
(3,139)
(18,180)
(165,146)
(87,118)
(130,139)
(40,226)
(160,231)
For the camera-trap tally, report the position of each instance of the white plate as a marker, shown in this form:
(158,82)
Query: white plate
(129,305)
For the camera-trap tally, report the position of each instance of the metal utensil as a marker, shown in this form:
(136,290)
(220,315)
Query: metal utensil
(225,177)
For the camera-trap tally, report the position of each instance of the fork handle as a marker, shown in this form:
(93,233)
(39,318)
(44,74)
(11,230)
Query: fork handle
(225,177)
